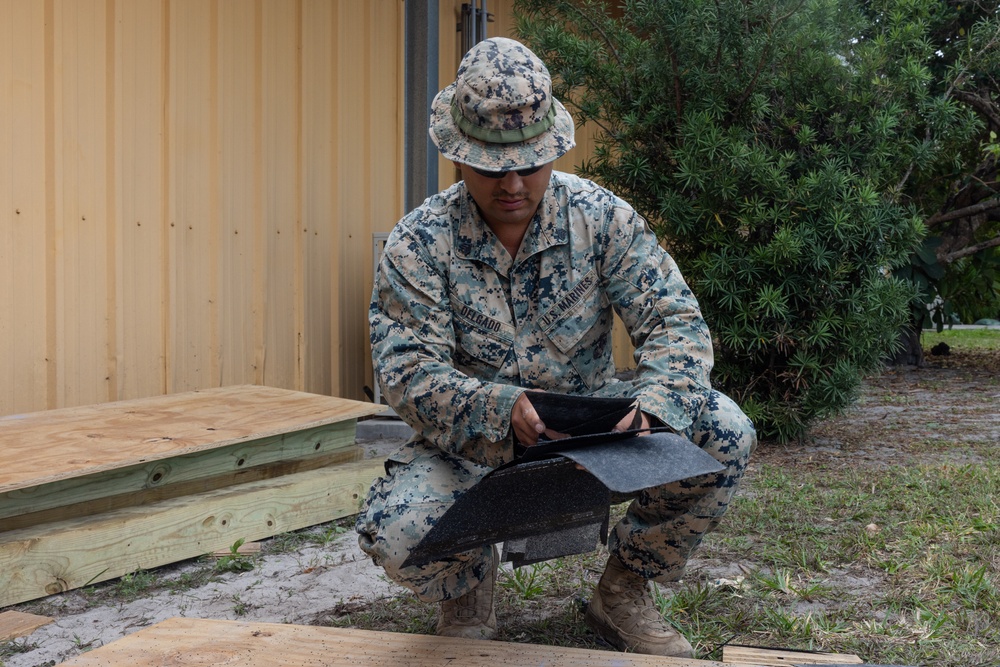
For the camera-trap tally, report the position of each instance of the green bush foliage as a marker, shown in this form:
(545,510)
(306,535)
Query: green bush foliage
(765,142)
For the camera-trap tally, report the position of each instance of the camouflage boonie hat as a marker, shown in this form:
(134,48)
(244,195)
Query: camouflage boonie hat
(499,114)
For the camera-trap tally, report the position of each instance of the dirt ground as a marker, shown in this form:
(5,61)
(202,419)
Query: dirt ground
(953,398)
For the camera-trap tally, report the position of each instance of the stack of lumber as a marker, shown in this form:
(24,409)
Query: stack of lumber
(187,641)
(93,493)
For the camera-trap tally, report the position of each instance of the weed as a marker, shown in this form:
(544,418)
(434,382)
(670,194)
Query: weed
(12,648)
(135,585)
(81,645)
(779,581)
(234,561)
(240,606)
(326,537)
(525,582)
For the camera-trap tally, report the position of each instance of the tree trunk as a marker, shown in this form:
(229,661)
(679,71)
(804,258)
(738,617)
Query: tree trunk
(910,353)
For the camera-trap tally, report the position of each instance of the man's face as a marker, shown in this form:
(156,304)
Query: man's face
(509,201)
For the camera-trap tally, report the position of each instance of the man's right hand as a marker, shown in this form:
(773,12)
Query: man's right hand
(527,425)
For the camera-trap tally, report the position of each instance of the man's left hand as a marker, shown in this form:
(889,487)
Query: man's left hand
(626,424)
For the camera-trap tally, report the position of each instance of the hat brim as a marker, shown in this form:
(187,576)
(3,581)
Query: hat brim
(460,147)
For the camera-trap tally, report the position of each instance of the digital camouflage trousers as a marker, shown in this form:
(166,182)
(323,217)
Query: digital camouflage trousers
(660,530)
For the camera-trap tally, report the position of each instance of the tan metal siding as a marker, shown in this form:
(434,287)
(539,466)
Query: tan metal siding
(24,204)
(188,190)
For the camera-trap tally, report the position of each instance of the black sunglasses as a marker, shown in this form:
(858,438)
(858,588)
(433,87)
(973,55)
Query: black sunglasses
(500,174)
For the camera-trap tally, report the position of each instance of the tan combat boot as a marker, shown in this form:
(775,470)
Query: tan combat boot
(622,613)
(471,616)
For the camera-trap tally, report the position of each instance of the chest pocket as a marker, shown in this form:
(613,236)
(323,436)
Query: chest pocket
(573,318)
(483,343)
(579,326)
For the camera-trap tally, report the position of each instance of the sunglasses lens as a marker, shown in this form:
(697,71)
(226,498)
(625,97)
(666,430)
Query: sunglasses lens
(500,174)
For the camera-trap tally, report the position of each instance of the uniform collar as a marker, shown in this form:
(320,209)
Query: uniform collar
(476,241)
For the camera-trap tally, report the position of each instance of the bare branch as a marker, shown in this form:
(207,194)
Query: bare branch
(982,105)
(675,68)
(969,250)
(981,207)
(765,56)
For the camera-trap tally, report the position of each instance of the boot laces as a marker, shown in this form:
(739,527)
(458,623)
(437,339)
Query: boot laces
(632,593)
(464,608)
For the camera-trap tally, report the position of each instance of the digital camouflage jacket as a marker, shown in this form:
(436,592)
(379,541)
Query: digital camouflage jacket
(459,330)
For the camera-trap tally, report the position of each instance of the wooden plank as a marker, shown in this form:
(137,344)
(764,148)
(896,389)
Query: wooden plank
(14,624)
(84,224)
(188,641)
(160,474)
(61,556)
(779,658)
(43,447)
(240,276)
(318,195)
(99,501)
(245,549)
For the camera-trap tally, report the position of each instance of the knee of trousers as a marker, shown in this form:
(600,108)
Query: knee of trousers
(397,531)
(725,432)
(402,507)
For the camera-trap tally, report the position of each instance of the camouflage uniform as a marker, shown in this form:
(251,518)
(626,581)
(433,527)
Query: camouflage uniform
(459,330)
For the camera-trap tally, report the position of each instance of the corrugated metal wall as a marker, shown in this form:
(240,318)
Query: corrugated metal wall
(188,191)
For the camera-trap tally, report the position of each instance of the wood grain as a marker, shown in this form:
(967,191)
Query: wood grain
(14,624)
(60,556)
(777,658)
(185,641)
(44,447)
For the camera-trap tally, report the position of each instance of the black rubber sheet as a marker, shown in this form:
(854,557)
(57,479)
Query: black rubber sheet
(562,485)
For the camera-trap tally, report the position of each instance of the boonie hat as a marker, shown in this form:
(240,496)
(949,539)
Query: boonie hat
(499,114)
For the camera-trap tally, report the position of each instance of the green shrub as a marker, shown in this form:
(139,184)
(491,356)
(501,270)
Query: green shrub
(764,141)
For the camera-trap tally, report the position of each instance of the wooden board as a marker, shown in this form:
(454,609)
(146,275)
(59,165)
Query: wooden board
(194,472)
(43,447)
(89,506)
(187,641)
(14,624)
(777,658)
(60,556)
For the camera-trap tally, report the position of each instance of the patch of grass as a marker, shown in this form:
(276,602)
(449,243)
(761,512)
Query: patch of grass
(920,542)
(404,613)
(327,534)
(962,339)
(135,585)
(15,647)
(240,606)
(322,535)
(525,582)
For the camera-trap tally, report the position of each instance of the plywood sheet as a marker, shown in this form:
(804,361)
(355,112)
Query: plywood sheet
(44,447)
(766,657)
(14,624)
(186,641)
